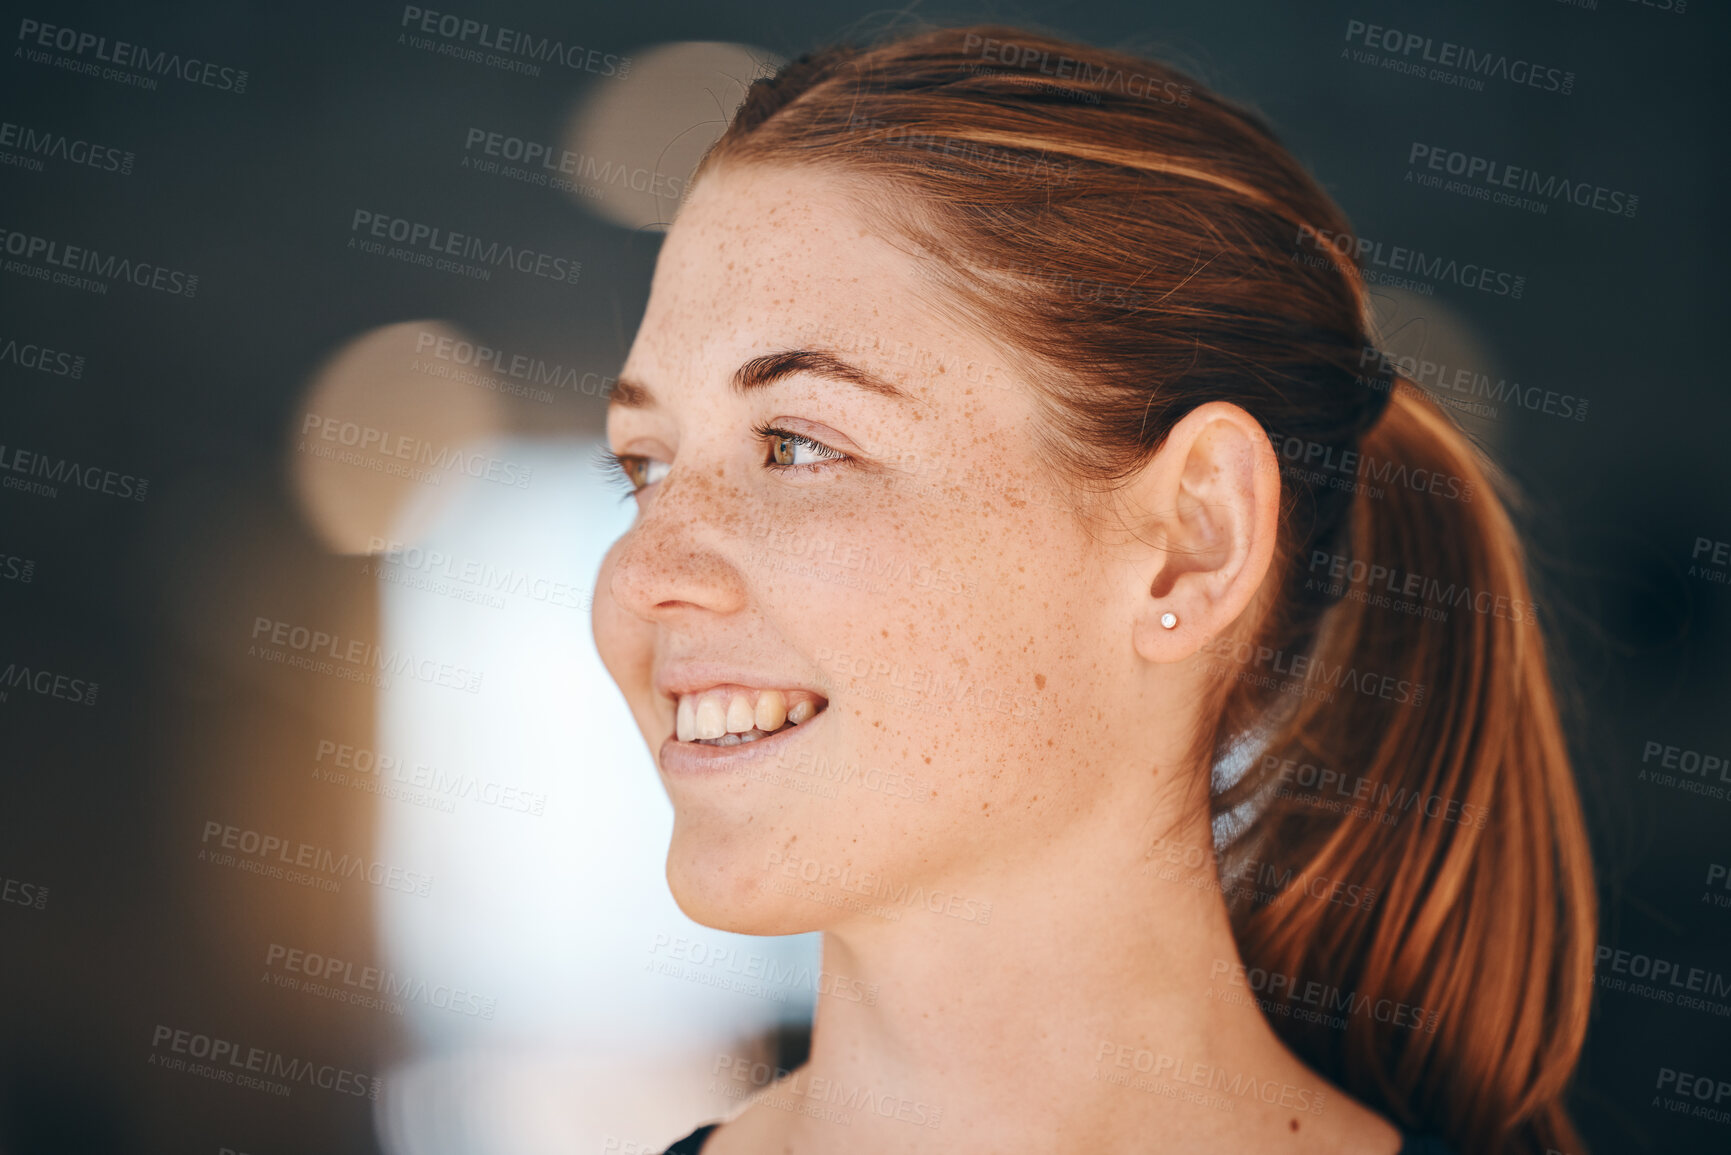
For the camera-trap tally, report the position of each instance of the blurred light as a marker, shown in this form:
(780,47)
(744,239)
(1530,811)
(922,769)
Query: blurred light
(553,915)
(640,138)
(373,449)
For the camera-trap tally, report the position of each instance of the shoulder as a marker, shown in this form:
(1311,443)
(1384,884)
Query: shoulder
(692,1143)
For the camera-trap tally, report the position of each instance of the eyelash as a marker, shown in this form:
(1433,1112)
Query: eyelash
(612,466)
(767,432)
(617,466)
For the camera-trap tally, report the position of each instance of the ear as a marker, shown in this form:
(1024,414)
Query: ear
(1206,510)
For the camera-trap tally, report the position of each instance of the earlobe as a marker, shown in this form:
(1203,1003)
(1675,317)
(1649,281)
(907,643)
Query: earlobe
(1215,485)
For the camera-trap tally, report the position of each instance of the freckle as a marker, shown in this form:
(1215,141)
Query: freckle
(1039,681)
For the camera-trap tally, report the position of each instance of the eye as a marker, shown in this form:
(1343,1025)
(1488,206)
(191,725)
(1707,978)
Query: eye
(788,450)
(632,471)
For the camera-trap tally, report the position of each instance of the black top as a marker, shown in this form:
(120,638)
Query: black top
(1410,1144)
(692,1143)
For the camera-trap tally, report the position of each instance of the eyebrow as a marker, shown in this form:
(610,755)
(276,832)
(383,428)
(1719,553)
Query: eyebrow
(761,372)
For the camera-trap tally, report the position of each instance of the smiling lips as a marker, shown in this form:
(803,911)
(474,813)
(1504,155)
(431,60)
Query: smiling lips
(729,715)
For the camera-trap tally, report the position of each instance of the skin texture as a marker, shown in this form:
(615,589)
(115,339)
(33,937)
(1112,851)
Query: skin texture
(1010,1022)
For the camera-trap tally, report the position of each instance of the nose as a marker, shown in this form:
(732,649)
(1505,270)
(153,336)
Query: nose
(679,553)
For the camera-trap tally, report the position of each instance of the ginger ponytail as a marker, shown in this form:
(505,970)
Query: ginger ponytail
(1142,246)
(1484,918)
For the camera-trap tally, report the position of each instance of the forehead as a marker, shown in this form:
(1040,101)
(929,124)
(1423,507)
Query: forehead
(767,257)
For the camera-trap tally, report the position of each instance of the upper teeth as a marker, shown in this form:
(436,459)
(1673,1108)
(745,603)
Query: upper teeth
(724,710)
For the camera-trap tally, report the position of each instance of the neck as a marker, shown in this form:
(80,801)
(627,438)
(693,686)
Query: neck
(1088,1014)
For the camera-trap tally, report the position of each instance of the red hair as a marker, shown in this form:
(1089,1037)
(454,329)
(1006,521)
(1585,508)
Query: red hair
(1150,247)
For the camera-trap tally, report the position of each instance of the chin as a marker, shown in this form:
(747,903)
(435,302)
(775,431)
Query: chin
(722,884)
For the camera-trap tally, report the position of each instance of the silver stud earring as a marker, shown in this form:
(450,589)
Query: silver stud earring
(1169,619)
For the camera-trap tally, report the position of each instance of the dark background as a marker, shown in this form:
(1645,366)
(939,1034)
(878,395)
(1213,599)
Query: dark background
(254,192)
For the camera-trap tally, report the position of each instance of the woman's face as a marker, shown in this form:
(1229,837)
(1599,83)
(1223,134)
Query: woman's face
(864,527)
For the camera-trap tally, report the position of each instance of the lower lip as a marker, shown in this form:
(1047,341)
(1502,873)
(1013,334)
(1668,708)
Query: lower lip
(696,758)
